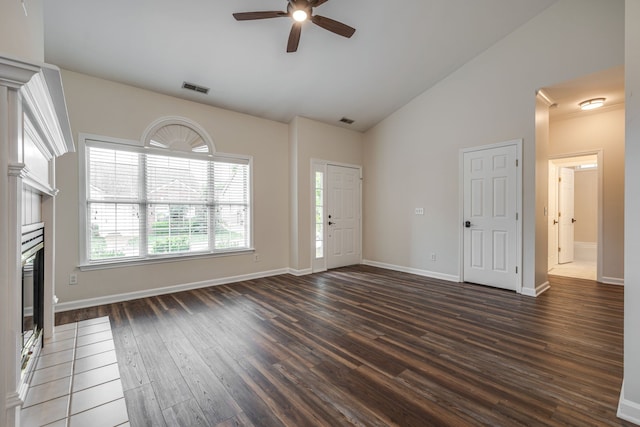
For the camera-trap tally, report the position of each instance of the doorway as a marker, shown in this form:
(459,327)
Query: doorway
(337,206)
(575,212)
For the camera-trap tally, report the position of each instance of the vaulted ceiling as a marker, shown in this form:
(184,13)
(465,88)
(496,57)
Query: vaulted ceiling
(399,50)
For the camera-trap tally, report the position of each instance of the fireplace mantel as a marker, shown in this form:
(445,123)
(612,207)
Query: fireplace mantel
(34,130)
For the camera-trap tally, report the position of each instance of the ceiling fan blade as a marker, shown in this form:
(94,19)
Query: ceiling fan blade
(248,16)
(294,37)
(317,3)
(333,26)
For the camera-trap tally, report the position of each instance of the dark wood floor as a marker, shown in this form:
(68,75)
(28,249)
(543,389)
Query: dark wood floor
(370,347)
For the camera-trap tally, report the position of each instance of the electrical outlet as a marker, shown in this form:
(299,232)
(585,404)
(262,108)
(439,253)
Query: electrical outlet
(256,257)
(433,256)
(73,279)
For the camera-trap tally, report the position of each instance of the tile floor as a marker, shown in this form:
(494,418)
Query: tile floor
(77,381)
(578,269)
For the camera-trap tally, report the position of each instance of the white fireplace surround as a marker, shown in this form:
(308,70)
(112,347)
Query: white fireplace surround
(34,130)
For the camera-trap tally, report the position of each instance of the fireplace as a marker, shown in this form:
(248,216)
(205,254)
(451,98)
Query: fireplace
(32,243)
(35,131)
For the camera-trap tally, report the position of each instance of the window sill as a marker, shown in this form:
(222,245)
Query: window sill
(130,262)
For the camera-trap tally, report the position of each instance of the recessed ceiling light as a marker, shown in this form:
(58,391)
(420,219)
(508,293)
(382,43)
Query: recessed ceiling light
(591,104)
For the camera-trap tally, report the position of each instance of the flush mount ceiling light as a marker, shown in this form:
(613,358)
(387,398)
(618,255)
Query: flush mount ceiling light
(592,104)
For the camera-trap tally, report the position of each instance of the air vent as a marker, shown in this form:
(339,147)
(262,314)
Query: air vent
(195,88)
(346,120)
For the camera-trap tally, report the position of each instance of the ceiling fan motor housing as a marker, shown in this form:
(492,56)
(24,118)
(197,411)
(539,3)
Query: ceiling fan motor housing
(303,5)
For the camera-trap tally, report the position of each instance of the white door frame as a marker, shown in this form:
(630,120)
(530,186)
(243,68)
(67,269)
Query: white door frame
(599,244)
(518,144)
(316,165)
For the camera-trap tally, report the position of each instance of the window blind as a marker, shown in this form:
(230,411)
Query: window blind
(143,204)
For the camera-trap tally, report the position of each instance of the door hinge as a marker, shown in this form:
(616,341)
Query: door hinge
(517,216)
(559,214)
(516,269)
(517,162)
(560,179)
(559,249)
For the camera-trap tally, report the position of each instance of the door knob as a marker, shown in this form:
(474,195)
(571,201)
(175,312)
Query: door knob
(331,223)
(467,224)
(555,222)
(573,220)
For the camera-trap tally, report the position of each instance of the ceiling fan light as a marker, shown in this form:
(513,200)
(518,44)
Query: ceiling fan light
(592,104)
(300,15)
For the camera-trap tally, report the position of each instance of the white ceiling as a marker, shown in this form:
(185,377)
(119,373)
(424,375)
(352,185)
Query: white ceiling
(399,50)
(567,96)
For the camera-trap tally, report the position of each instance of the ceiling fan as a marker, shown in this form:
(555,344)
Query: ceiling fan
(300,11)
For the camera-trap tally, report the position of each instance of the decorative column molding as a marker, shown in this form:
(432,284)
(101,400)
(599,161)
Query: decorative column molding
(18,170)
(15,73)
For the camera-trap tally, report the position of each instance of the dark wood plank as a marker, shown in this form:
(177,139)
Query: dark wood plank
(186,413)
(143,408)
(132,370)
(167,381)
(370,347)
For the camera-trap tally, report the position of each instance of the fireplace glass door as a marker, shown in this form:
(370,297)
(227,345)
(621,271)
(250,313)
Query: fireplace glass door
(32,289)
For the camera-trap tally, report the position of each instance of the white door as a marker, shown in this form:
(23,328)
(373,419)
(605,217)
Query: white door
(565,215)
(490,217)
(343,216)
(553,216)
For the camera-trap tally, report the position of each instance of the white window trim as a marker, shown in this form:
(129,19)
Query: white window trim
(137,146)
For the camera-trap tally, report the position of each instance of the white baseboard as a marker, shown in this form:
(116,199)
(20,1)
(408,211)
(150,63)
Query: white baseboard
(540,289)
(110,299)
(628,410)
(300,272)
(613,281)
(425,273)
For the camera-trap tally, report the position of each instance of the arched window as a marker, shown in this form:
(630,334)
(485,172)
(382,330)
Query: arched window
(168,195)
(178,134)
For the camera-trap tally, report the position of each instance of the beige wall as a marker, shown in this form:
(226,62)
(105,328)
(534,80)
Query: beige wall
(411,157)
(591,132)
(314,140)
(106,108)
(22,36)
(586,206)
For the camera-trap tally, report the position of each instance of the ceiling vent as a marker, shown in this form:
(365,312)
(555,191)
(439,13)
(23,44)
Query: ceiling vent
(195,88)
(346,120)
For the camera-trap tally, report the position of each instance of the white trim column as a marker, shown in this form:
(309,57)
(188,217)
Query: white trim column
(10,234)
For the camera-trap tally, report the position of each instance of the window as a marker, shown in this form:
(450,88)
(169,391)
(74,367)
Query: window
(153,202)
(319,193)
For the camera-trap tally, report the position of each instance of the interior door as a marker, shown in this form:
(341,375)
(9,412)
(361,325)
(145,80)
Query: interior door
(565,215)
(553,216)
(490,217)
(343,216)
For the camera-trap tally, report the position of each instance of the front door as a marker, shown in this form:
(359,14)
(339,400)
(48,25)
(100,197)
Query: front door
(491,217)
(565,215)
(343,216)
